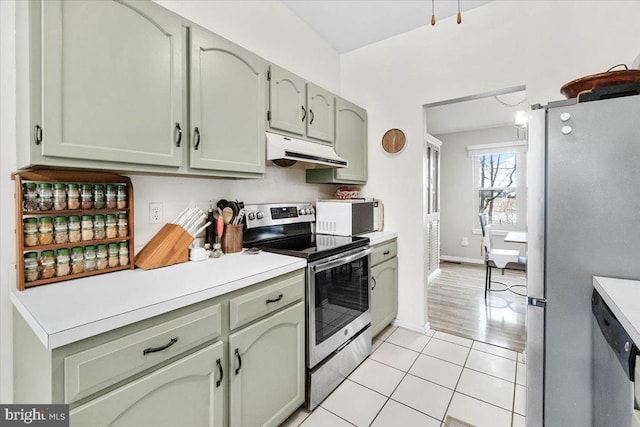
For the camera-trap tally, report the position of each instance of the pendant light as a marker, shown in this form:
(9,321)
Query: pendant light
(433,13)
(459,15)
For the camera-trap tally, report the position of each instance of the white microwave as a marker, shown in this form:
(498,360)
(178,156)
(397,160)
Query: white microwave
(346,217)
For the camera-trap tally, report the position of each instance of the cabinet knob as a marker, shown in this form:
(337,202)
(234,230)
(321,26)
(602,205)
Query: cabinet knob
(221,373)
(304,113)
(312,116)
(239,361)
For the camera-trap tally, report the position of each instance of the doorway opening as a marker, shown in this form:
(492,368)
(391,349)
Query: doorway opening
(478,131)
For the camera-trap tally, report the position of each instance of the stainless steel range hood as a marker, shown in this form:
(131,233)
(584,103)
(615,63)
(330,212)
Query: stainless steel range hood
(281,147)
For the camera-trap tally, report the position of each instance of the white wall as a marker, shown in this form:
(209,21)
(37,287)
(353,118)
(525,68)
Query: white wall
(267,28)
(457,193)
(540,44)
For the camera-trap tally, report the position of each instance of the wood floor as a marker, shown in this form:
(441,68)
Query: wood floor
(457,306)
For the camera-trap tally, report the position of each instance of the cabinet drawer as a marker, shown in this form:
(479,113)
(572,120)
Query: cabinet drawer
(96,368)
(383,252)
(256,304)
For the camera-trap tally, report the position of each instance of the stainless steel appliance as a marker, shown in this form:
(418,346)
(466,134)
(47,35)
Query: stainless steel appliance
(345,217)
(338,331)
(583,220)
(614,366)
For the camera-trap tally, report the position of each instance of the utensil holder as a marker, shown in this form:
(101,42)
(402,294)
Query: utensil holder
(169,246)
(232,238)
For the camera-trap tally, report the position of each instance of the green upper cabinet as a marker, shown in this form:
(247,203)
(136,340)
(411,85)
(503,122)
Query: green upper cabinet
(350,144)
(321,113)
(299,108)
(287,101)
(227,106)
(111,82)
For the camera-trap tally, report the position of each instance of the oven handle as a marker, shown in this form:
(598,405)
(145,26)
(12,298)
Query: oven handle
(340,261)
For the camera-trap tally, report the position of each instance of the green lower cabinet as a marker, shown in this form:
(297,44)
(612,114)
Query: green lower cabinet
(384,294)
(183,393)
(267,365)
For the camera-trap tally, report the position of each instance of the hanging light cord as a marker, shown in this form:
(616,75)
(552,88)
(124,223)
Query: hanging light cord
(433,13)
(459,15)
(506,104)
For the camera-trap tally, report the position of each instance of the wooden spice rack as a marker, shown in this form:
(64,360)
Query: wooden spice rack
(63,176)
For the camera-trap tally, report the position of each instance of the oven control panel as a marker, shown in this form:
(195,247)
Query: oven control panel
(278,213)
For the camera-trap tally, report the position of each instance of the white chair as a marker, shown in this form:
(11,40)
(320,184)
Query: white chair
(508,259)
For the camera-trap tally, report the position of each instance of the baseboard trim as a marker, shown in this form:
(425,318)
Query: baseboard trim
(462,259)
(411,326)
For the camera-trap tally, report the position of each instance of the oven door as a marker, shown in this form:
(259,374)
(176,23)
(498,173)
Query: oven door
(338,302)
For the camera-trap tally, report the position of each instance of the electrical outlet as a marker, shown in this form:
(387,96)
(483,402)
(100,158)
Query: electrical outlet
(155,213)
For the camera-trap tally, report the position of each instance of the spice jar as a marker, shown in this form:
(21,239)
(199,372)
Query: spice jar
(45,230)
(74,229)
(63,266)
(59,196)
(77,260)
(123,253)
(98,196)
(30,227)
(46,196)
(101,257)
(121,197)
(110,196)
(98,227)
(60,230)
(123,225)
(47,265)
(87,228)
(112,231)
(113,255)
(29,196)
(89,258)
(86,196)
(31,273)
(73,197)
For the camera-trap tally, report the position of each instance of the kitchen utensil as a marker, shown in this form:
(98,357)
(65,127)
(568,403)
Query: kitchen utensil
(238,219)
(593,81)
(227,214)
(222,203)
(199,230)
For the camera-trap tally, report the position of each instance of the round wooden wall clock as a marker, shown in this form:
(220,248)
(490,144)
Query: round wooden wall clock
(393,141)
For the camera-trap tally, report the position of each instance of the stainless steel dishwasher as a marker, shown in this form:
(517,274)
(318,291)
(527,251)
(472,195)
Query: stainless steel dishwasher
(614,369)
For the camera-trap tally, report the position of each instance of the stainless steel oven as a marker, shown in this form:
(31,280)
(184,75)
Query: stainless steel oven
(338,301)
(338,326)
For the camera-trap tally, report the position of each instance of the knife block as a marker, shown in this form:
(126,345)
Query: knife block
(169,246)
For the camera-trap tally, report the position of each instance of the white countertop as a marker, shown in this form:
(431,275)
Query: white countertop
(623,298)
(378,237)
(66,312)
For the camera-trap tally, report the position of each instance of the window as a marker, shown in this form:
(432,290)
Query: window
(497,187)
(498,179)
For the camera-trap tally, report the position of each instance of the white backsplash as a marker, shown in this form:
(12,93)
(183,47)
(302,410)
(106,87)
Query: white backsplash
(175,193)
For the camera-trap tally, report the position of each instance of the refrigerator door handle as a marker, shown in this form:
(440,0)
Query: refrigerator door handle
(537,302)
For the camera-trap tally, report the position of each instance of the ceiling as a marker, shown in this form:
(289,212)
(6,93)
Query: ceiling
(476,112)
(350,24)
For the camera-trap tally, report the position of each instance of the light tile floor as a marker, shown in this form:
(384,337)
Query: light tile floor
(413,379)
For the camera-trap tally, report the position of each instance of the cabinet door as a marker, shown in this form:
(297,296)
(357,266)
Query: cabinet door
(320,114)
(227,106)
(287,101)
(267,365)
(184,393)
(351,141)
(384,295)
(111,82)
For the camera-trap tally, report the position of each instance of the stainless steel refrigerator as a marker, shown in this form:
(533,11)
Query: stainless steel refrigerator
(583,221)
